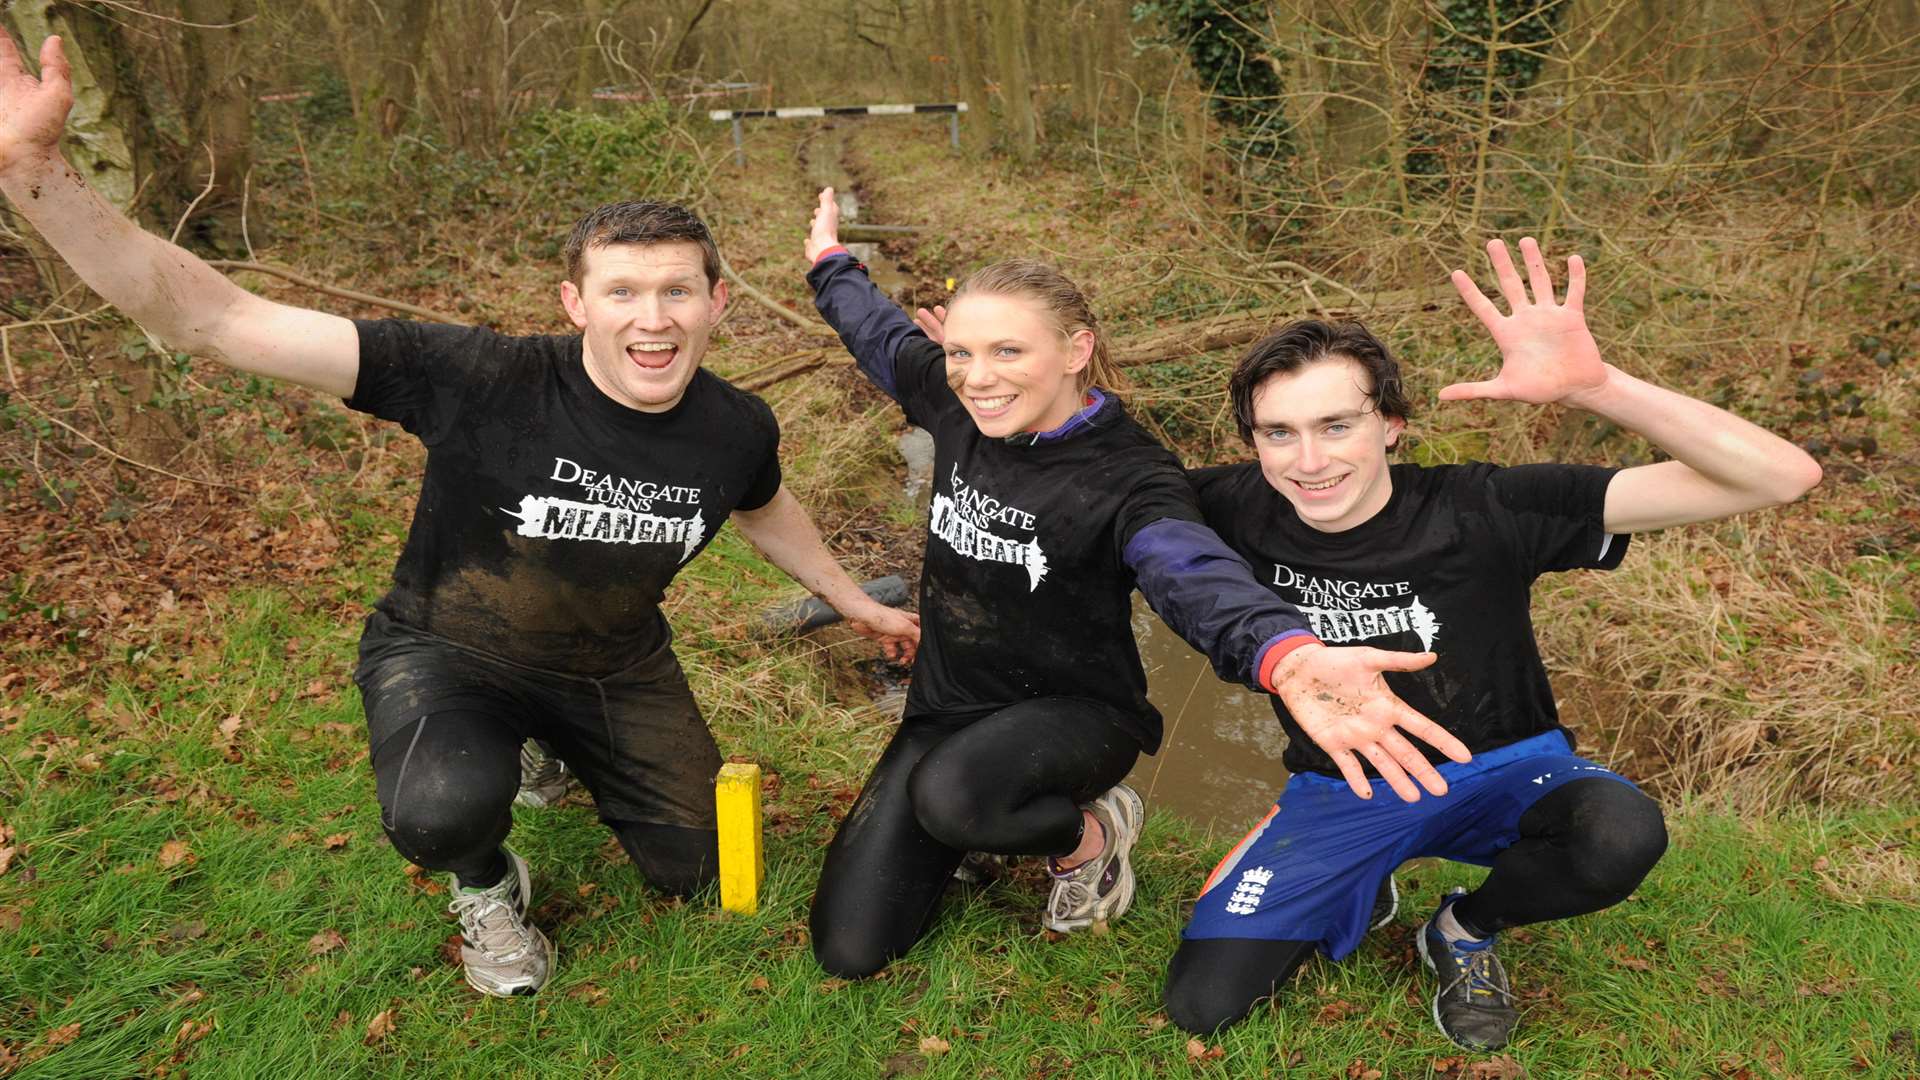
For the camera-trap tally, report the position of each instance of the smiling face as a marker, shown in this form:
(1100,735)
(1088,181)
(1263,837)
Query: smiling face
(1011,364)
(1323,442)
(645,312)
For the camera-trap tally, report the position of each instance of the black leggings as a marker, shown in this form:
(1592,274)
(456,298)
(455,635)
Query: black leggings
(1583,847)
(446,784)
(1010,783)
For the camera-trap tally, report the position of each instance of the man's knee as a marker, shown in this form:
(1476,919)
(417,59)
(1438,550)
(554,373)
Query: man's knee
(436,829)
(1619,834)
(849,955)
(677,860)
(1201,999)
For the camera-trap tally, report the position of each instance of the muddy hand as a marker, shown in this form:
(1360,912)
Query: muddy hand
(1340,699)
(898,632)
(825,232)
(33,111)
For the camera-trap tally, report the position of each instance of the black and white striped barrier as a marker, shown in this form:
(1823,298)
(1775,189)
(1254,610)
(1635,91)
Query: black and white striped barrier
(953,109)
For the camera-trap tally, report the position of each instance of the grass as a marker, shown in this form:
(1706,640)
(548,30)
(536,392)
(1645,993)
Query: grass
(198,884)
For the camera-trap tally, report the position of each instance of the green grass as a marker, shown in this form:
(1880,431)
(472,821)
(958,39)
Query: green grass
(1785,948)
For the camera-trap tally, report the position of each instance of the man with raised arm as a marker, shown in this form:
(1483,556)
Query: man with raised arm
(568,479)
(1443,559)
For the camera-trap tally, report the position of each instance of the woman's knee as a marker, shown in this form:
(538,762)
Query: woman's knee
(950,800)
(1210,986)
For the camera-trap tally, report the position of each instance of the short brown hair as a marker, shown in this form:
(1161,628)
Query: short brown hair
(1309,341)
(640,223)
(1060,297)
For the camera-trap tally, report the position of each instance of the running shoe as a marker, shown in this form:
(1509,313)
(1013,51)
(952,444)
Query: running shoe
(544,779)
(1473,1004)
(1101,888)
(502,953)
(1386,905)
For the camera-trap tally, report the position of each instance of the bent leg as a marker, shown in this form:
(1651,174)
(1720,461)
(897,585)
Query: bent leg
(1213,983)
(1012,783)
(675,859)
(1582,847)
(883,874)
(446,785)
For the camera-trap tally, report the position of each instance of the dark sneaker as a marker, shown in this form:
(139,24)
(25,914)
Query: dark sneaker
(1473,1004)
(980,868)
(1102,887)
(1386,905)
(544,779)
(502,953)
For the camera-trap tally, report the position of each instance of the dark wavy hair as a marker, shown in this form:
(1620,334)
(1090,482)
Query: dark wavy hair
(1309,341)
(640,223)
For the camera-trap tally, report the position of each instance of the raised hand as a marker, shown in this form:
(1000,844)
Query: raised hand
(825,231)
(1338,697)
(1547,354)
(33,111)
(934,322)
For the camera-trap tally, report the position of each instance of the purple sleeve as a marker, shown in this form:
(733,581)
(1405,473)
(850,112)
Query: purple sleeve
(1208,595)
(872,326)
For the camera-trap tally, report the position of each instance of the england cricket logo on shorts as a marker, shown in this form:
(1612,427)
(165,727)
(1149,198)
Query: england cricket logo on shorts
(1341,609)
(1248,891)
(612,510)
(964,520)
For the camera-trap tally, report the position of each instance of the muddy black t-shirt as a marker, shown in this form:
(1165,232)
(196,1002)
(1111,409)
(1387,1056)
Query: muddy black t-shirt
(551,517)
(1025,592)
(1446,566)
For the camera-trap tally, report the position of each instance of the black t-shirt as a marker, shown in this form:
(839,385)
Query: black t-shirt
(1446,566)
(552,517)
(1025,593)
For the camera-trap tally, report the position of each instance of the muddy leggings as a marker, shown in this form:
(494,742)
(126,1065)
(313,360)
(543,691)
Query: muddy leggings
(1583,847)
(446,788)
(1010,783)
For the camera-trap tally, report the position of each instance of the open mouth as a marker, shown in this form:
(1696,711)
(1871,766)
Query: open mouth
(653,355)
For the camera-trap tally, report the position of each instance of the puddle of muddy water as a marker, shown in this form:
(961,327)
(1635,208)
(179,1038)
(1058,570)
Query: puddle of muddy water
(826,167)
(1219,765)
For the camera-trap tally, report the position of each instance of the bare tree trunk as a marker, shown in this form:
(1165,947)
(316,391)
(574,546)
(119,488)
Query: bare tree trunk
(960,20)
(395,94)
(219,104)
(587,63)
(1010,58)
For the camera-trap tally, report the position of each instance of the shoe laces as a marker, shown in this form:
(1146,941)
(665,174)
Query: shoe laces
(1476,969)
(491,923)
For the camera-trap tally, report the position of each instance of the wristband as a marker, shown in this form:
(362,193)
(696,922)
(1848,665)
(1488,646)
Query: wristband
(1284,644)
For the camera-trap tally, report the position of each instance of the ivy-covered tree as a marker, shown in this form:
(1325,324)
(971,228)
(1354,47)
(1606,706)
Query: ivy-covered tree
(1485,54)
(1224,46)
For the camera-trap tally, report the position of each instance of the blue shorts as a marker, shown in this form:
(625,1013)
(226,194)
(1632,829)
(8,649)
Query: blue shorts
(1309,871)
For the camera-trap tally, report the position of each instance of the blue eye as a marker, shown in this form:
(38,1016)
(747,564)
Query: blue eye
(678,292)
(1337,429)
(1278,435)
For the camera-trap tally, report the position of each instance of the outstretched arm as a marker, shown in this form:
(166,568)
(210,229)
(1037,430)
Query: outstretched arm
(1722,465)
(785,535)
(181,299)
(1207,594)
(873,328)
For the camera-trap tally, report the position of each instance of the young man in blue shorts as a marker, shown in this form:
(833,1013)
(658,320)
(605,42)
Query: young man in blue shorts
(1443,559)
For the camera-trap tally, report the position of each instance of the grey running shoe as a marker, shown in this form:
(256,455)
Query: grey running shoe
(544,779)
(1386,905)
(1102,887)
(503,954)
(1474,1003)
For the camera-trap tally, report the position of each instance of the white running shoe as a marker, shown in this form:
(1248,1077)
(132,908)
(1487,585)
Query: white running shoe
(544,779)
(503,954)
(1101,888)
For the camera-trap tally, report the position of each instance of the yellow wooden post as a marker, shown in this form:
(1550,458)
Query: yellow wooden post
(736,796)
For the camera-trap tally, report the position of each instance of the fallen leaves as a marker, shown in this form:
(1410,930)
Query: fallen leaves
(7,850)
(379,1027)
(337,841)
(1357,1070)
(175,852)
(934,1046)
(1198,1051)
(62,1035)
(324,942)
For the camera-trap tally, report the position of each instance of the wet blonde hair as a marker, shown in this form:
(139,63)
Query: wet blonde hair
(1060,298)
